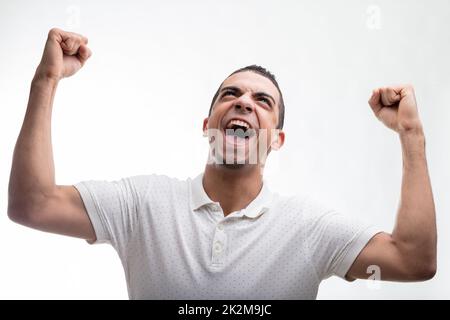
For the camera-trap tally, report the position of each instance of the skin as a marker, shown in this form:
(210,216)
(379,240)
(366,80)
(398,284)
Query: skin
(34,199)
(223,183)
(409,252)
(406,254)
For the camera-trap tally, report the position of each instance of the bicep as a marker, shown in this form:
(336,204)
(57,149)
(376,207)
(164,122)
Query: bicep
(63,212)
(381,254)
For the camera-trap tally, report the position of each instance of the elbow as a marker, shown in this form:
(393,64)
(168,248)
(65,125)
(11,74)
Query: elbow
(27,209)
(22,208)
(427,272)
(424,271)
(17,214)
(419,262)
(16,206)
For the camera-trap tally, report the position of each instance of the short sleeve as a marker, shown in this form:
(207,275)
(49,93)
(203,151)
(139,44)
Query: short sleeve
(113,207)
(335,242)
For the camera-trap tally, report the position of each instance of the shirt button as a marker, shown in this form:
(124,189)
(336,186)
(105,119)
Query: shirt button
(220,227)
(218,246)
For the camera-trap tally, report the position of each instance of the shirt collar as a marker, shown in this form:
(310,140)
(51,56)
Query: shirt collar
(199,197)
(257,207)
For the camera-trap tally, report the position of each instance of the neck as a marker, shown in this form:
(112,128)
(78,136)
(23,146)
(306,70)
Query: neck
(233,188)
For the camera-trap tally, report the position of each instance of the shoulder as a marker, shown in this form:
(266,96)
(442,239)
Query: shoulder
(156,180)
(301,205)
(305,212)
(156,184)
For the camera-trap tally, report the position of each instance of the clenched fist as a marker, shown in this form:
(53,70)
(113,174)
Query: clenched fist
(396,107)
(64,54)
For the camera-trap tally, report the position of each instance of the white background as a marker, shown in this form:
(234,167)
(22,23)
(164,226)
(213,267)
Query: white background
(138,104)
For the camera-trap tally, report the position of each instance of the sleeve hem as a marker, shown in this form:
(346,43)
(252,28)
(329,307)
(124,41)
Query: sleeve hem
(354,249)
(92,211)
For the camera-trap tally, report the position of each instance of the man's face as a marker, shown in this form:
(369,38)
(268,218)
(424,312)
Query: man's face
(243,120)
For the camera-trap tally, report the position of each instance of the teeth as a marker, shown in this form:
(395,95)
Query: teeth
(238,123)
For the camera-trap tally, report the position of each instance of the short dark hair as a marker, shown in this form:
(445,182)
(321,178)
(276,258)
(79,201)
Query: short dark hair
(265,73)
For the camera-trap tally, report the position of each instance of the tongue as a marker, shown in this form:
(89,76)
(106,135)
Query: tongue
(232,139)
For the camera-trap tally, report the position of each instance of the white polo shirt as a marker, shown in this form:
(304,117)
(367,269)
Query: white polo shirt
(175,243)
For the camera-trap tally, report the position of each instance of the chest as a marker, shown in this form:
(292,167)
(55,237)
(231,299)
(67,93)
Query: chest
(204,256)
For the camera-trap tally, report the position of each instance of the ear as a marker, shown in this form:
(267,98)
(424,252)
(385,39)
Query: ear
(278,139)
(205,127)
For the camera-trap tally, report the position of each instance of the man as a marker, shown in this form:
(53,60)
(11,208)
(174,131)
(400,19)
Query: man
(223,234)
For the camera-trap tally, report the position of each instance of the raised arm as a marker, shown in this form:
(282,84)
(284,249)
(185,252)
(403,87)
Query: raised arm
(409,253)
(34,199)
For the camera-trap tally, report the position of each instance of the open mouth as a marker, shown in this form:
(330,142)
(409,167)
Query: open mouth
(240,129)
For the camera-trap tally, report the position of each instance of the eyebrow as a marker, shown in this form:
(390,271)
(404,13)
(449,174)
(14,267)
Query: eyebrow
(258,94)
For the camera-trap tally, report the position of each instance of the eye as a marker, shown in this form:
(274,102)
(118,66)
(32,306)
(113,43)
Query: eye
(266,101)
(228,93)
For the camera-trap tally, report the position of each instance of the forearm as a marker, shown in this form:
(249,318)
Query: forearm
(415,230)
(32,173)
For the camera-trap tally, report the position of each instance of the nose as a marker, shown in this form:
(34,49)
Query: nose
(244,104)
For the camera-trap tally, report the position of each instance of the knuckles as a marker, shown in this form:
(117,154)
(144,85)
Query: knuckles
(54,32)
(410,88)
